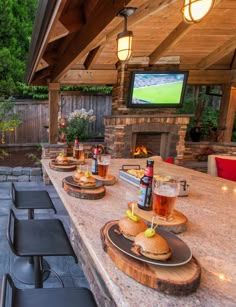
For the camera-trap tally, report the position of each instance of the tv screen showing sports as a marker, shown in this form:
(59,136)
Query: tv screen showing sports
(150,89)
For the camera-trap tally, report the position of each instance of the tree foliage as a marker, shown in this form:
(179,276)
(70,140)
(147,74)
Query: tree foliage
(41,92)
(16,19)
(8,118)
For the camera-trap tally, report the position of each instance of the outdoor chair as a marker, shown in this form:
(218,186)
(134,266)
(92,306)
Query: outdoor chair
(31,200)
(51,297)
(36,238)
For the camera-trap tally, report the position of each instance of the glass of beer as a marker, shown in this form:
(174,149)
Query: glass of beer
(164,193)
(103,165)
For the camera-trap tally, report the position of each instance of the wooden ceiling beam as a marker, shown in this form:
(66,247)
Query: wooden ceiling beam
(209,76)
(233,63)
(72,15)
(79,43)
(89,77)
(58,32)
(42,36)
(218,54)
(93,56)
(150,7)
(41,76)
(178,33)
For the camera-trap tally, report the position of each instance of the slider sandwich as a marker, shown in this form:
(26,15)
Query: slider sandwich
(152,245)
(131,225)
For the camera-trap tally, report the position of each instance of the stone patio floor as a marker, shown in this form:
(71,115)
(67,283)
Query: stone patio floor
(70,272)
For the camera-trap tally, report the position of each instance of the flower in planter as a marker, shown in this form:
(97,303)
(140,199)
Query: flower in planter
(77,126)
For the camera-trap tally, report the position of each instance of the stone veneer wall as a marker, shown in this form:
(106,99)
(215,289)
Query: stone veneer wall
(118,139)
(20,174)
(193,149)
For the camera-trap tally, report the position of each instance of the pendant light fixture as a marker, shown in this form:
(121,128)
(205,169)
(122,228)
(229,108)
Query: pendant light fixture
(195,10)
(124,39)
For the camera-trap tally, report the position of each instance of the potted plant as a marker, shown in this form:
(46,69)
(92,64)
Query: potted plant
(77,126)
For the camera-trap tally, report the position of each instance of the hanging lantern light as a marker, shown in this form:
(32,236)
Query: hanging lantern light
(124,39)
(195,10)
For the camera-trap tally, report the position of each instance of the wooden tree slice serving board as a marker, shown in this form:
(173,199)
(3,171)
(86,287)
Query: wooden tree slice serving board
(62,168)
(180,280)
(109,180)
(178,223)
(82,193)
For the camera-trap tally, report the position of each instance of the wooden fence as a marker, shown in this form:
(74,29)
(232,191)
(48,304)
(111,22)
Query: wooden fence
(35,116)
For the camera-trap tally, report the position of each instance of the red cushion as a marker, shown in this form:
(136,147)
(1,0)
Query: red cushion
(226,168)
(169,160)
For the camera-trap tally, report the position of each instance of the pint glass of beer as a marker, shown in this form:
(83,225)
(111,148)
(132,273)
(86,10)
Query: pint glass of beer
(103,165)
(164,193)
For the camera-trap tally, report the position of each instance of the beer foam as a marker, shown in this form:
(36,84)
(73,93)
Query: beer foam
(166,191)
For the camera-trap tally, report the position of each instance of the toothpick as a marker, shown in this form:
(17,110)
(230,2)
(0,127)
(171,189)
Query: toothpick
(156,226)
(152,221)
(132,208)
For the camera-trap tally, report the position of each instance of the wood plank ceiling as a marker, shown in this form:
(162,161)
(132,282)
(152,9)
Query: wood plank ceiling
(74,41)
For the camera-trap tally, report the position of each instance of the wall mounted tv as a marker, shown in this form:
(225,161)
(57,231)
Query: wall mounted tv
(157,89)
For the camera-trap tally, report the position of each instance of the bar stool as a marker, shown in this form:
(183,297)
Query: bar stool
(36,238)
(31,200)
(51,297)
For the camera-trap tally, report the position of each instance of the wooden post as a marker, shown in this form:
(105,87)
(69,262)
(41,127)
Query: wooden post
(54,98)
(227,114)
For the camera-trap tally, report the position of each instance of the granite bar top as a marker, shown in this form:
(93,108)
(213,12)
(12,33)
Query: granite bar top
(211,235)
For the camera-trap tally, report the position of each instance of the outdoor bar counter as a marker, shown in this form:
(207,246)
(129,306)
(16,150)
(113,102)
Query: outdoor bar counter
(211,235)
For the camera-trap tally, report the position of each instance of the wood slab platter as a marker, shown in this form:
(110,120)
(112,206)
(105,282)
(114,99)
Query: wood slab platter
(77,162)
(62,168)
(179,280)
(109,180)
(83,193)
(178,223)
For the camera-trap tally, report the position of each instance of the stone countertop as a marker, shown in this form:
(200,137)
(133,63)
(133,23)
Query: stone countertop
(211,235)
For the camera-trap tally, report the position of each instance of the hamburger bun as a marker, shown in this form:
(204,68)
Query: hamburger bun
(129,229)
(61,159)
(78,174)
(87,181)
(155,247)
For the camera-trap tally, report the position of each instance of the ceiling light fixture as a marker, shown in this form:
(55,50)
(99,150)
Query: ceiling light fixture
(195,10)
(124,39)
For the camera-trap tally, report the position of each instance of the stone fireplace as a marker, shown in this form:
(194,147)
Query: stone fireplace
(163,133)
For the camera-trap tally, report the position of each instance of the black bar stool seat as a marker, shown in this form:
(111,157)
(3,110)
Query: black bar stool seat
(31,200)
(37,238)
(59,297)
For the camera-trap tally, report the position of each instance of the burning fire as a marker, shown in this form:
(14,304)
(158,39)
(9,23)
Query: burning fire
(141,151)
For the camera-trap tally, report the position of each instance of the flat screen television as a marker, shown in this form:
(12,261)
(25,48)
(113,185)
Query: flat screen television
(157,89)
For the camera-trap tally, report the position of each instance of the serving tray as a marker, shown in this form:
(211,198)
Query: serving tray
(73,189)
(70,166)
(180,252)
(179,280)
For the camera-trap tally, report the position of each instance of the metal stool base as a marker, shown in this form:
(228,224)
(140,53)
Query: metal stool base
(23,270)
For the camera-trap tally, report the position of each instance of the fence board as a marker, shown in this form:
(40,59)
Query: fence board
(35,116)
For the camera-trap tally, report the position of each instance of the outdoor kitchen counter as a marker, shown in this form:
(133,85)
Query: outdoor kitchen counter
(211,235)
